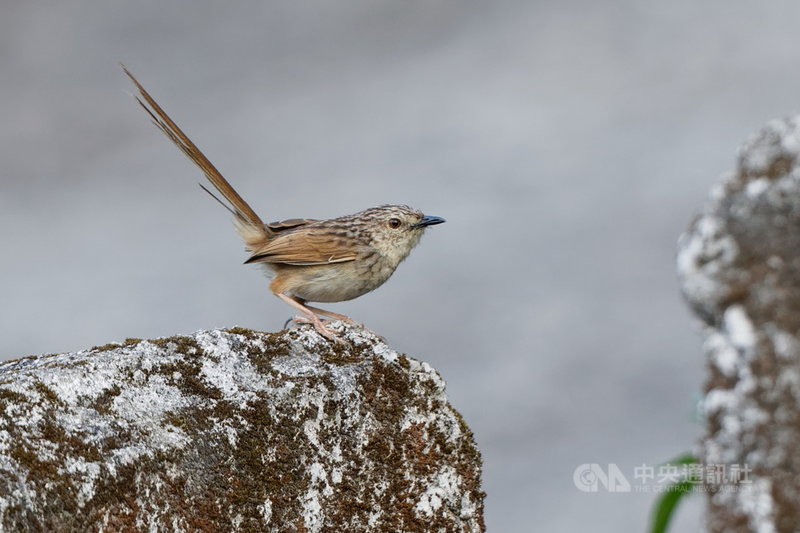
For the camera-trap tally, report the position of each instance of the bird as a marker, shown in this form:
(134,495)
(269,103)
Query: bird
(309,260)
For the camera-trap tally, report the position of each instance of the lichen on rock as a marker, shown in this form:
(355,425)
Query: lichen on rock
(234,430)
(739,264)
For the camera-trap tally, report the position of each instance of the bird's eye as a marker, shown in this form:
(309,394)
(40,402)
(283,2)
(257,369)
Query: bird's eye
(394,223)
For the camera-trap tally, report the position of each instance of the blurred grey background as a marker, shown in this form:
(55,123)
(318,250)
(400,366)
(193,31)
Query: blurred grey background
(567,144)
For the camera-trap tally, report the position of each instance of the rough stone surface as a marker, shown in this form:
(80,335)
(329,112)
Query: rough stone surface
(234,430)
(739,263)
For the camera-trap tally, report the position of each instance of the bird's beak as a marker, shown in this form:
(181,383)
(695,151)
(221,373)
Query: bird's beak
(428,221)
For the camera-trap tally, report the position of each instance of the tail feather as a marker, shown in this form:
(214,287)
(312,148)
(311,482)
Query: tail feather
(248,224)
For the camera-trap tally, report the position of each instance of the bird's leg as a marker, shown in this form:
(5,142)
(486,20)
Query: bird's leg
(335,316)
(309,317)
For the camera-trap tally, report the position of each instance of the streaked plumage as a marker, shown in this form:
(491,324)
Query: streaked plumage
(310,260)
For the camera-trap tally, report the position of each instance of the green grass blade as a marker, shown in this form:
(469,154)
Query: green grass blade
(664,507)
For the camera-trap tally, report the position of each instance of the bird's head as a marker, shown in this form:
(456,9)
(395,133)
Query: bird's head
(394,230)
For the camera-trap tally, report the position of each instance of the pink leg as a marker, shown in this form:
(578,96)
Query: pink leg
(310,318)
(344,318)
(335,316)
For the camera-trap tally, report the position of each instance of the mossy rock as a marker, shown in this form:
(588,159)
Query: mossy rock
(234,430)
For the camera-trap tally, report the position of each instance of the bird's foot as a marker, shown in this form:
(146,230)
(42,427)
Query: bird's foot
(320,327)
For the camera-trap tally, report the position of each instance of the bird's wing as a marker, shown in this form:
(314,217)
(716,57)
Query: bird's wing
(292,223)
(305,246)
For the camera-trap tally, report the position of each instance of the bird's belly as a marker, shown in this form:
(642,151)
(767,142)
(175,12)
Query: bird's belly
(330,283)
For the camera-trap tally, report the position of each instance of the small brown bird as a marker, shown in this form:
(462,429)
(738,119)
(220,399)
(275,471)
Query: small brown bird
(310,260)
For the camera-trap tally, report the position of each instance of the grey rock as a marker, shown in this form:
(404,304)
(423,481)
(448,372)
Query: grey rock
(739,263)
(234,431)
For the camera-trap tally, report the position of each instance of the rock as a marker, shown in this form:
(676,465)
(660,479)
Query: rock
(234,431)
(739,263)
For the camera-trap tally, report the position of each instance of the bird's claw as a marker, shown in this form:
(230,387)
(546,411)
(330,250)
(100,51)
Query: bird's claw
(320,328)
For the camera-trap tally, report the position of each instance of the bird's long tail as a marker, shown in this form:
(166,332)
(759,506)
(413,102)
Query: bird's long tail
(248,224)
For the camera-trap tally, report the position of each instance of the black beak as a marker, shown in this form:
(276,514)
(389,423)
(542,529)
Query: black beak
(428,221)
